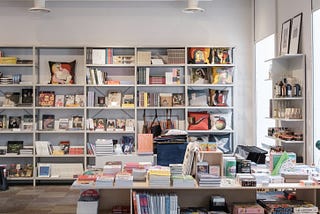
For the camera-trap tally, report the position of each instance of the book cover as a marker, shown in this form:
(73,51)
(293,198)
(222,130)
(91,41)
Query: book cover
(3,121)
(64,146)
(14,122)
(48,121)
(145,143)
(11,99)
(114,99)
(202,168)
(77,122)
(14,146)
(63,123)
(165,99)
(27,122)
(79,100)
(128,100)
(111,125)
(99,124)
(27,96)
(69,100)
(98,56)
(120,124)
(59,100)
(46,98)
(130,125)
(178,100)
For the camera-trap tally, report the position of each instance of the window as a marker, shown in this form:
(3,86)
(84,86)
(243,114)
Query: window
(264,51)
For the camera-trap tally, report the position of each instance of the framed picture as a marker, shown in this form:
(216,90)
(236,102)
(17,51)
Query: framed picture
(285,37)
(295,34)
(44,170)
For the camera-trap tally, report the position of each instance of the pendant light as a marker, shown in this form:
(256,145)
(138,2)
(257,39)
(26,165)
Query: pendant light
(193,7)
(39,6)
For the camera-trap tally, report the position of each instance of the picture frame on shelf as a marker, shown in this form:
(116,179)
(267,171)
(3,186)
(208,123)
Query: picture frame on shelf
(285,37)
(295,34)
(44,170)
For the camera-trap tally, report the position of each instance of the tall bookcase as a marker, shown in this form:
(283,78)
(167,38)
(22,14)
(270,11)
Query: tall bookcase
(287,109)
(148,75)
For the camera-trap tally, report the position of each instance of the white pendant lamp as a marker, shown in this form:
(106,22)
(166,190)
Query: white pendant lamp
(39,6)
(193,7)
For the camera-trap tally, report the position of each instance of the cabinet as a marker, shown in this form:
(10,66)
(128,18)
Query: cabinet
(287,106)
(197,196)
(111,93)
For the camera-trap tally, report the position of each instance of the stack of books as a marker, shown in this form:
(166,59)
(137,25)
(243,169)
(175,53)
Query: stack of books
(208,180)
(26,151)
(159,176)
(112,168)
(123,179)
(175,169)
(104,181)
(104,147)
(183,181)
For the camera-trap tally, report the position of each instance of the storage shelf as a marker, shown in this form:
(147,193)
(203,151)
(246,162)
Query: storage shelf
(285,141)
(110,85)
(20,178)
(210,65)
(58,85)
(110,108)
(210,131)
(60,156)
(285,119)
(8,155)
(16,85)
(111,65)
(161,85)
(210,85)
(156,107)
(8,131)
(17,107)
(16,65)
(110,132)
(60,131)
(287,98)
(59,108)
(160,65)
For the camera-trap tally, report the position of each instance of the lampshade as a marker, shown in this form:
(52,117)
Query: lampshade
(193,7)
(39,6)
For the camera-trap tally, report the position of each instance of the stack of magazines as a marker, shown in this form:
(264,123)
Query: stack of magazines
(208,180)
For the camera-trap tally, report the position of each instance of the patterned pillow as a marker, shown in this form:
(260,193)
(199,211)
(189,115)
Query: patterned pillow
(62,72)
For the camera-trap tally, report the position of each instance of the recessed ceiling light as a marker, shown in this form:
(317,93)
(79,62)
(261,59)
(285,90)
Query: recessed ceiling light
(193,7)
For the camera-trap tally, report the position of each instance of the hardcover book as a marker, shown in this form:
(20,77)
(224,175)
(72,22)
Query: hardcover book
(3,121)
(178,100)
(165,99)
(79,100)
(69,100)
(14,146)
(120,124)
(14,122)
(11,99)
(100,124)
(63,123)
(77,122)
(199,76)
(111,125)
(27,96)
(130,124)
(114,99)
(46,98)
(128,100)
(48,121)
(59,101)
(27,123)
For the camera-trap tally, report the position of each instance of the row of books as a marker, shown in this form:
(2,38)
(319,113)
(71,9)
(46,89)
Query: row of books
(101,56)
(104,124)
(50,99)
(208,97)
(146,77)
(215,75)
(112,99)
(148,99)
(144,203)
(18,170)
(23,97)
(24,122)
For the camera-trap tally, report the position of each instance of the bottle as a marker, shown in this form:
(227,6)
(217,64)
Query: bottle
(297,90)
(280,88)
(288,89)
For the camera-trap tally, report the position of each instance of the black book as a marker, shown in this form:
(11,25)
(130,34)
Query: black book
(14,122)
(27,96)
(48,122)
(14,146)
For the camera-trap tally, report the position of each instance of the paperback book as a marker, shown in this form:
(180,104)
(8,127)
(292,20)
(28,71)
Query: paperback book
(48,121)
(46,98)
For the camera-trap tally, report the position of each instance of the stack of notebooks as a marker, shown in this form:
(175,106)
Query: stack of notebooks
(208,180)
(104,147)
(159,176)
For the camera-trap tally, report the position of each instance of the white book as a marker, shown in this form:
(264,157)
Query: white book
(169,78)
(147,75)
(98,56)
(42,147)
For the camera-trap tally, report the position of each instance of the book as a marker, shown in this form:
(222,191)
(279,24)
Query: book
(128,100)
(130,125)
(98,56)
(165,99)
(63,123)
(111,125)
(99,124)
(46,98)
(64,146)
(14,146)
(145,144)
(59,100)
(178,100)
(77,122)
(27,96)
(11,99)
(120,124)
(27,122)
(48,121)
(3,121)
(202,168)
(14,122)
(69,100)
(114,99)
(79,100)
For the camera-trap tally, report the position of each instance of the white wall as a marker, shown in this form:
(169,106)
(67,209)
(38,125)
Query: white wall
(225,22)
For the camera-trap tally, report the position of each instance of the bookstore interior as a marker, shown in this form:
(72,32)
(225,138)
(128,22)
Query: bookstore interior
(162,128)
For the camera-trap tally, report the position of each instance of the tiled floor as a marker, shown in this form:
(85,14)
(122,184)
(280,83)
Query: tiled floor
(51,199)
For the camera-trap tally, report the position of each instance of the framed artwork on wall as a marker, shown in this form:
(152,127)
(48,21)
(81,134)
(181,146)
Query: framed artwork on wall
(285,37)
(295,34)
